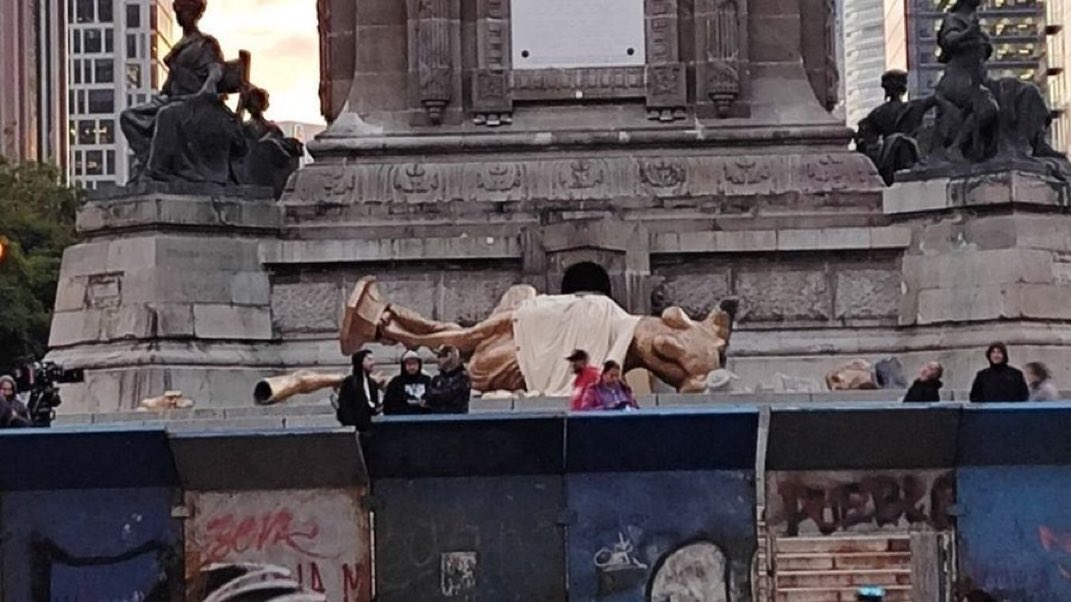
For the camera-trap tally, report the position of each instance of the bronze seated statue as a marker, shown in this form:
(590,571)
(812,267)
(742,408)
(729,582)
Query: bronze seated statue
(978,122)
(187,133)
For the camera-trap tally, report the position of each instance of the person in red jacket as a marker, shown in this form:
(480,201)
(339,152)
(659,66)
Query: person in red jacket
(586,374)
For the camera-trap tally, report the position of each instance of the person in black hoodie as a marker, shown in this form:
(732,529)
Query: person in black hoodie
(358,397)
(927,387)
(405,393)
(999,382)
(451,388)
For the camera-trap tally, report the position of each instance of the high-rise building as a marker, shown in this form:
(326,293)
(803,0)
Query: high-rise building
(1057,18)
(117,49)
(33,75)
(864,56)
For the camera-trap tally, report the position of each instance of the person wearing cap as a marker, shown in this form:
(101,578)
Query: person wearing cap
(405,393)
(450,389)
(586,375)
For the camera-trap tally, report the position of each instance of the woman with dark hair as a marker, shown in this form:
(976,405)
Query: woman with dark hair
(12,411)
(1039,379)
(358,397)
(610,392)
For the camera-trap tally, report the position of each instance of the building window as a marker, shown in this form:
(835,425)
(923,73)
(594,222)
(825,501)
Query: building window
(133,16)
(109,167)
(92,41)
(133,75)
(79,165)
(76,40)
(94,163)
(84,11)
(81,103)
(109,42)
(101,101)
(87,132)
(104,11)
(131,46)
(77,71)
(105,71)
(106,131)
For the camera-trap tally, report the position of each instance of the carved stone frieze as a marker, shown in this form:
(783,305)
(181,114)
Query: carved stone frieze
(578,84)
(583,178)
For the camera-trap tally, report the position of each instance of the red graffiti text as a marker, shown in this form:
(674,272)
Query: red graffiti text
(229,535)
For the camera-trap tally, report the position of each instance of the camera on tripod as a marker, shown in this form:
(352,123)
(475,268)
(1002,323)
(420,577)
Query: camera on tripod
(44,380)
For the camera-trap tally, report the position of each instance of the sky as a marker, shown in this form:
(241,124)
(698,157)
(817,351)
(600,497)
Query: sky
(281,35)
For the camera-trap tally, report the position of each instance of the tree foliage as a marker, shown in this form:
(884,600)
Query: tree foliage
(37,212)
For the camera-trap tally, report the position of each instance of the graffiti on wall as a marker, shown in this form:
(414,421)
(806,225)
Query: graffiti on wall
(458,573)
(319,537)
(1057,544)
(246,582)
(800,503)
(57,574)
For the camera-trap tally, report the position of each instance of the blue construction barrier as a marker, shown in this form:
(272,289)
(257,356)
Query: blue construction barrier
(517,507)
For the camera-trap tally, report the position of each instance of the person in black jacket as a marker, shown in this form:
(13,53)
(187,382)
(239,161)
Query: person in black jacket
(927,387)
(405,393)
(358,397)
(451,388)
(999,382)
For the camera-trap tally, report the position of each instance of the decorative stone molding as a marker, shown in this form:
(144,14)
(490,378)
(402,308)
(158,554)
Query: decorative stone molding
(434,44)
(721,53)
(492,99)
(666,77)
(592,83)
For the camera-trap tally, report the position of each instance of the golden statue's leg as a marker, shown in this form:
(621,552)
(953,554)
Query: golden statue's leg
(465,339)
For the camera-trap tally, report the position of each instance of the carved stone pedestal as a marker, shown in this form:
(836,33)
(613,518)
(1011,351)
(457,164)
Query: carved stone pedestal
(166,292)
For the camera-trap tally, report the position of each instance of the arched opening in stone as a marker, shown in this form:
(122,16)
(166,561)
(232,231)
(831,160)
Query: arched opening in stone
(586,277)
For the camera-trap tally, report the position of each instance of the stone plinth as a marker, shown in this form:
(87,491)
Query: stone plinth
(985,189)
(166,291)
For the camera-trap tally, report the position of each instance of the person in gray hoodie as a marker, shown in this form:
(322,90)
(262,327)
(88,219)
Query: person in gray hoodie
(405,393)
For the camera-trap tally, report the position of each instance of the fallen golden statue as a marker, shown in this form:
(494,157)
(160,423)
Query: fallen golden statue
(522,345)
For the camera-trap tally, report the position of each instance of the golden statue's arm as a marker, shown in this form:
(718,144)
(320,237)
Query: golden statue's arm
(279,388)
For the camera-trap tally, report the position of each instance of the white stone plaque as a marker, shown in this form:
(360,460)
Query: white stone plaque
(577,33)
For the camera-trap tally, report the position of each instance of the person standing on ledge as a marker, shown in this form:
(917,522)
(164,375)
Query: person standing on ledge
(1040,380)
(586,375)
(927,387)
(450,389)
(358,397)
(999,382)
(405,393)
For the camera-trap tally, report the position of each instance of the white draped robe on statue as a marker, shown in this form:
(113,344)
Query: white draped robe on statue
(549,327)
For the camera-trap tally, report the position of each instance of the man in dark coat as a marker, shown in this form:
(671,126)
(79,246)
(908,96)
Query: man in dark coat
(358,397)
(999,382)
(450,389)
(927,387)
(405,393)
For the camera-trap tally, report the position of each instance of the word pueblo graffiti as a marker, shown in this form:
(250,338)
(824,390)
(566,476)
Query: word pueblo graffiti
(829,502)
